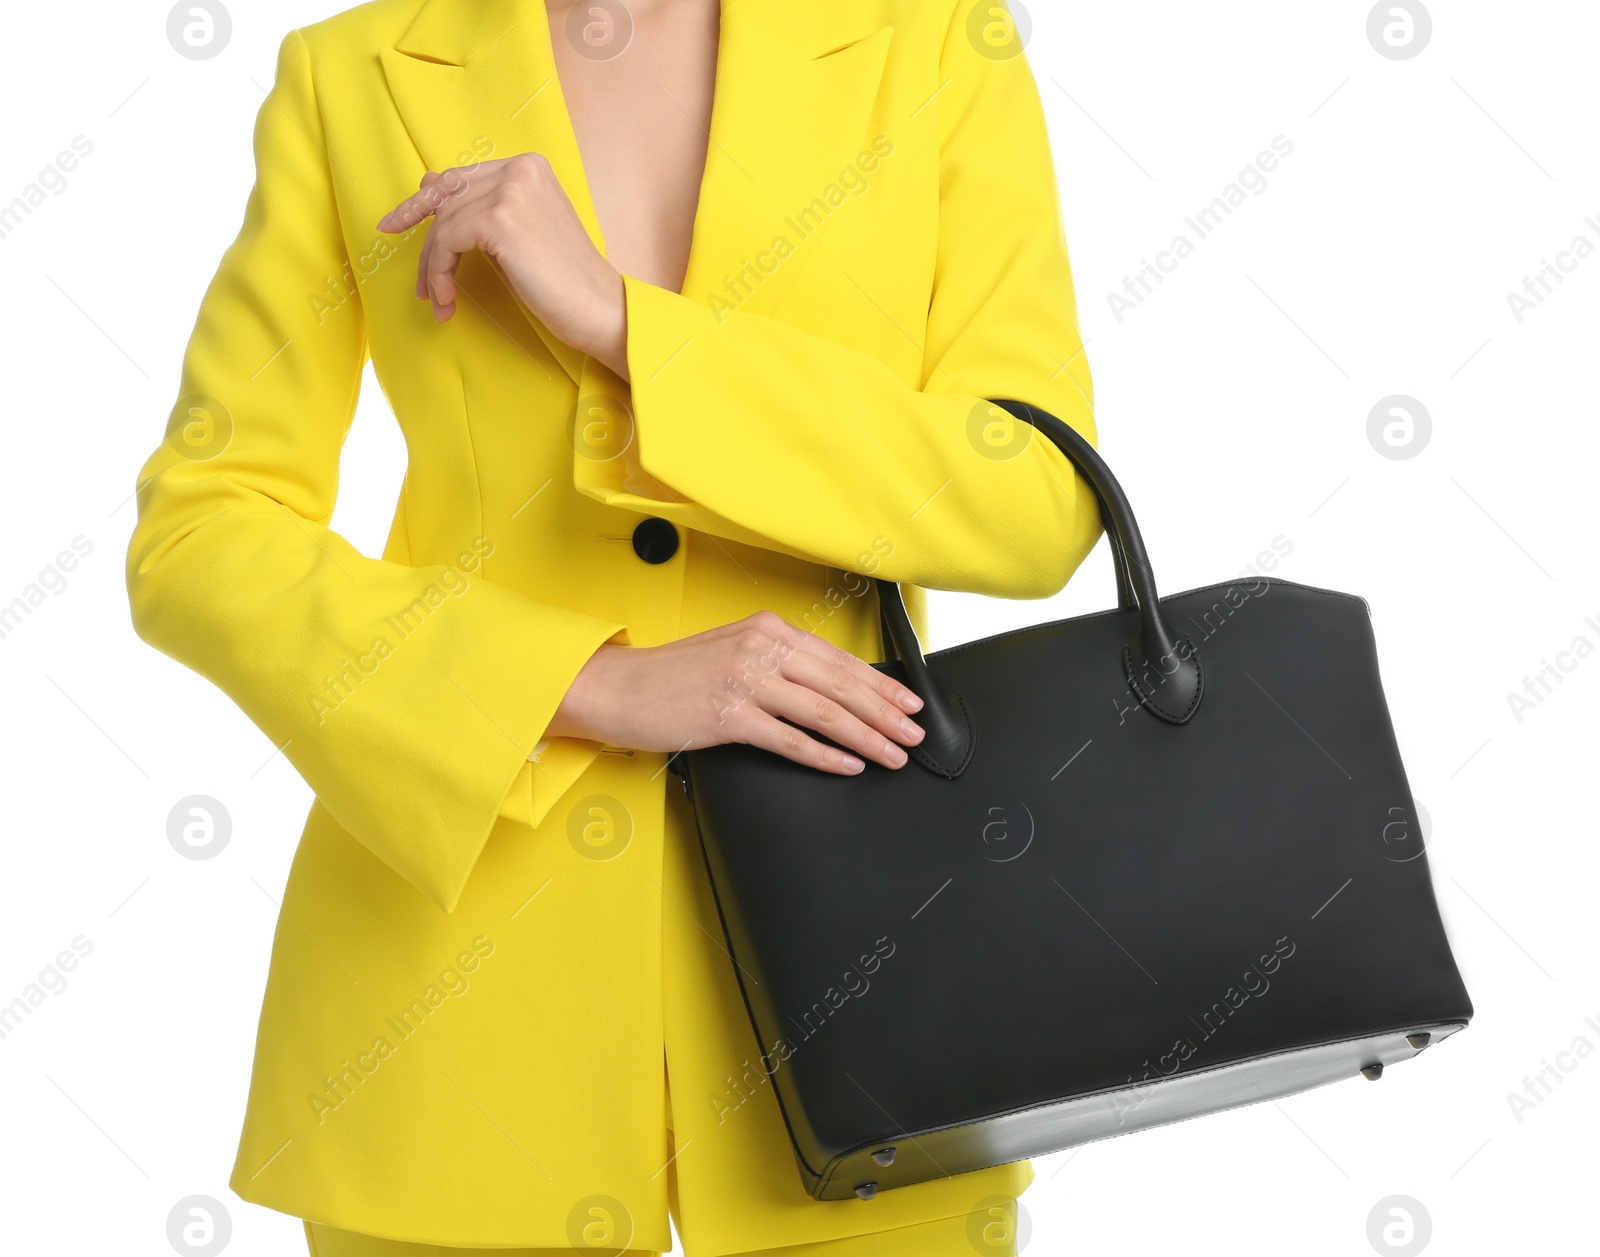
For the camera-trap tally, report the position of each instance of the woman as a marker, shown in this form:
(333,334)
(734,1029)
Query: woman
(644,483)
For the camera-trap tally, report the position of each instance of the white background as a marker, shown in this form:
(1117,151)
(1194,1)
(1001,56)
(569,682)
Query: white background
(1233,402)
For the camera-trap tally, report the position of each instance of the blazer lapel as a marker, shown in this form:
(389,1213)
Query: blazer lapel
(796,83)
(475,81)
(794,92)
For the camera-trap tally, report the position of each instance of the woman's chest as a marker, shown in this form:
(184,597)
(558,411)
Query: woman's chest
(812,197)
(639,92)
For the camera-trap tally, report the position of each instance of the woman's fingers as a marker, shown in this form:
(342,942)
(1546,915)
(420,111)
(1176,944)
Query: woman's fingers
(759,681)
(771,734)
(422,273)
(429,178)
(453,235)
(421,204)
(846,667)
(862,672)
(890,689)
(812,709)
(838,679)
(436,188)
(436,267)
(794,674)
(447,197)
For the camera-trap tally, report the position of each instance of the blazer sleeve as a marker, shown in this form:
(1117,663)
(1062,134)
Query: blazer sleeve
(758,431)
(409,698)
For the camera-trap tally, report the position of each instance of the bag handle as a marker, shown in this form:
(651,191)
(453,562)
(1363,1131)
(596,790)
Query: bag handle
(1161,667)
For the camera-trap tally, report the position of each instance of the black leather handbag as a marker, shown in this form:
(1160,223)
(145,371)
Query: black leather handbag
(1146,864)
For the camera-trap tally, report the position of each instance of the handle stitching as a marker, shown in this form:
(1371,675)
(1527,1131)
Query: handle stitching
(1149,701)
(933,765)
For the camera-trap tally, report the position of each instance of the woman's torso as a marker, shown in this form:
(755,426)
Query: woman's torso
(487,404)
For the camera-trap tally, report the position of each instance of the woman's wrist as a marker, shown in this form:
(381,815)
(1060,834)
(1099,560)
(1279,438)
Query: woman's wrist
(607,340)
(581,713)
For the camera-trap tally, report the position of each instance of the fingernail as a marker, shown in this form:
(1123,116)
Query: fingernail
(853,765)
(912,731)
(896,756)
(910,701)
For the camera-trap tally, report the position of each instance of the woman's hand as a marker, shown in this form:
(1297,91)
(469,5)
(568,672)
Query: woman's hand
(731,684)
(515,210)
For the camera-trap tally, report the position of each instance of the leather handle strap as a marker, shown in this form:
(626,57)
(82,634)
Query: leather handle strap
(948,741)
(1161,667)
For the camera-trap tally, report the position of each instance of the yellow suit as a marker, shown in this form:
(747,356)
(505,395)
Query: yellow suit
(488,938)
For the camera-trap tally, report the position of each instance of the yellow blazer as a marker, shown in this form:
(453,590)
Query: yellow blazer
(878,246)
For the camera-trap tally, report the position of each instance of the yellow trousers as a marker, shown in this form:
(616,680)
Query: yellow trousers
(988,1234)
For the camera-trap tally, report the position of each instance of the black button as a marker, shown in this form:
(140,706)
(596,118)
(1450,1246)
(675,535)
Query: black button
(655,540)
